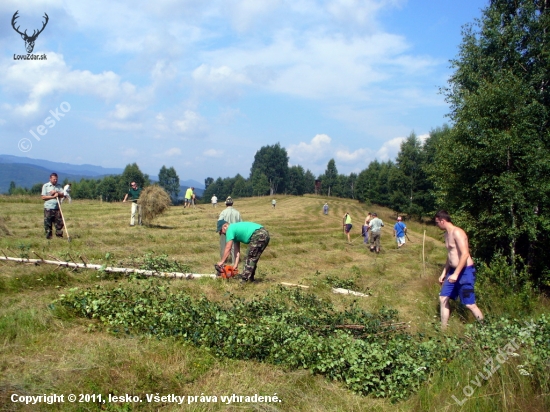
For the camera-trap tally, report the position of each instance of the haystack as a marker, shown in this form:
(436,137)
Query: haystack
(153,201)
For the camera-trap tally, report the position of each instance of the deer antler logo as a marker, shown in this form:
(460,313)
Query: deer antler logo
(29,40)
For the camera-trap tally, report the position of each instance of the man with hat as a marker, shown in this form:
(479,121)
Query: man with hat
(51,193)
(375,226)
(230,215)
(252,234)
(399,231)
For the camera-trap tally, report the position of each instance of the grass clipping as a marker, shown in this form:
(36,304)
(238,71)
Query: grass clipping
(3,228)
(153,201)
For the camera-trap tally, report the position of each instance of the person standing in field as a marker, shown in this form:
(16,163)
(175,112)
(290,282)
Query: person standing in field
(399,231)
(134,192)
(249,233)
(67,193)
(214,200)
(375,227)
(230,215)
(51,193)
(188,197)
(347,225)
(273,203)
(365,229)
(325,209)
(459,274)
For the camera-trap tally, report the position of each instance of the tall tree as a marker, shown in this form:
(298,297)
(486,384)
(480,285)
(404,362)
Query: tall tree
(260,184)
(170,181)
(241,188)
(409,182)
(373,183)
(207,182)
(493,170)
(111,188)
(296,181)
(329,180)
(11,190)
(309,181)
(272,162)
(132,173)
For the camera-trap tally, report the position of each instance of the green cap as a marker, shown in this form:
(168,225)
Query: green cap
(220,224)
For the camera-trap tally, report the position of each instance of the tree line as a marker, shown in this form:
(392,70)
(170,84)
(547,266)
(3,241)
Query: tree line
(111,188)
(404,185)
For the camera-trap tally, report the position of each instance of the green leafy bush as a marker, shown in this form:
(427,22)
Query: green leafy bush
(291,328)
(161,263)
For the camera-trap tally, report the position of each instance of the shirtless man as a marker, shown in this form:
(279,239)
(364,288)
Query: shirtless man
(459,275)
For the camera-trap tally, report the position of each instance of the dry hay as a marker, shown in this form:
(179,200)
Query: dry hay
(3,228)
(153,201)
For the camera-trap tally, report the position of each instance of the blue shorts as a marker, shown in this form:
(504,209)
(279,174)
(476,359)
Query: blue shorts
(348,227)
(463,287)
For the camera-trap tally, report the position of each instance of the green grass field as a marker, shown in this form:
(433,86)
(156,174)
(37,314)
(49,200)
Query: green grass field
(45,351)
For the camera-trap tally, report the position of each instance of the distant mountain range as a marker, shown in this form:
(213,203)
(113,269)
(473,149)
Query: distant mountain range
(26,172)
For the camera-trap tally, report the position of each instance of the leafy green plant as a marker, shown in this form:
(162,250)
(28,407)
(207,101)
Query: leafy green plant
(24,250)
(284,327)
(161,263)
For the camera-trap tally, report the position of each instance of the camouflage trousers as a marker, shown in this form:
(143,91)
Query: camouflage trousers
(53,217)
(258,243)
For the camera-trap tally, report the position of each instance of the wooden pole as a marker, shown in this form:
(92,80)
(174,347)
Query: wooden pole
(423,254)
(177,275)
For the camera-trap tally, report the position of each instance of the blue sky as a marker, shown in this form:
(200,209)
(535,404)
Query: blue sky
(202,85)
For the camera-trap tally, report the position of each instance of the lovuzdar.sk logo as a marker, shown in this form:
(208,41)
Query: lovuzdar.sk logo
(29,40)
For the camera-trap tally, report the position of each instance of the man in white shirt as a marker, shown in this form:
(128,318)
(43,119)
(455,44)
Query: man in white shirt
(67,192)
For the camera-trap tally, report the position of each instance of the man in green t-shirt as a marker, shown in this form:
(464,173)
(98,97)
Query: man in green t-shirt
(134,193)
(347,225)
(188,196)
(230,215)
(249,233)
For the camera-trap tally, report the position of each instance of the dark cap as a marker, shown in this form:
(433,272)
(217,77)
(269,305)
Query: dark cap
(220,225)
(374,214)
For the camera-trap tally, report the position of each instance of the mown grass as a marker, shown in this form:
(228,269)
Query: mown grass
(45,350)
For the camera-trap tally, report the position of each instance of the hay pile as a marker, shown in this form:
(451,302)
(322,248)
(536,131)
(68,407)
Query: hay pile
(153,201)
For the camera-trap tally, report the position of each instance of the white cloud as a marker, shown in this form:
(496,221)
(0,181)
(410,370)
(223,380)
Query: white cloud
(247,13)
(360,13)
(174,151)
(120,126)
(351,157)
(130,152)
(213,153)
(316,149)
(390,149)
(222,80)
(124,111)
(38,80)
(191,123)
(423,137)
